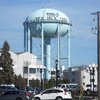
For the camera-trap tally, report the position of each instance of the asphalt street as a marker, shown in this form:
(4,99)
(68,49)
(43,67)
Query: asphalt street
(84,98)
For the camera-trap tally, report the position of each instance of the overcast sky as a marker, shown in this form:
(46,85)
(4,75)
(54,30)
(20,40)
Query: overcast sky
(83,42)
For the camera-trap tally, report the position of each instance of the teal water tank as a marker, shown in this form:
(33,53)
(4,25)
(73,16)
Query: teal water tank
(51,19)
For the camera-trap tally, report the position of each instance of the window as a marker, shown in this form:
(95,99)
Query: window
(59,85)
(83,83)
(53,91)
(15,92)
(32,70)
(67,86)
(91,73)
(47,91)
(83,76)
(52,72)
(58,91)
(95,85)
(25,70)
(63,86)
(92,80)
(8,93)
(2,87)
(88,85)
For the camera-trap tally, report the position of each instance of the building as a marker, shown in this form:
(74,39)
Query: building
(85,76)
(27,65)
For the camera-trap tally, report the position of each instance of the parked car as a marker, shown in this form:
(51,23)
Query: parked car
(4,88)
(15,95)
(54,94)
(72,87)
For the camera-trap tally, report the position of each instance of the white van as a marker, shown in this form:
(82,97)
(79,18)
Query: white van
(71,86)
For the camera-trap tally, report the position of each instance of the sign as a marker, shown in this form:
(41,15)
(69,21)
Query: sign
(51,17)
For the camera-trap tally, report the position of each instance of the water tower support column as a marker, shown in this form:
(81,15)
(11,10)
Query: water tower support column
(29,42)
(58,47)
(47,53)
(42,36)
(68,49)
(25,36)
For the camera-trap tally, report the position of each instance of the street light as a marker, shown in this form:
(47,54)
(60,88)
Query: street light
(92,69)
(41,77)
(56,63)
(27,64)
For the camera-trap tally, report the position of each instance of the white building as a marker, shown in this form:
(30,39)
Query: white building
(83,75)
(26,65)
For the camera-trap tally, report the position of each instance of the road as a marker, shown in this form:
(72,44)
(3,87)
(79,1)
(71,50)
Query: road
(84,98)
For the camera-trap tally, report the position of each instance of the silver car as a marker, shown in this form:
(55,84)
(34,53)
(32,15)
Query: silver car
(15,95)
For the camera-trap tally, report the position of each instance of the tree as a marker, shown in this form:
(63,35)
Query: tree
(35,83)
(6,64)
(20,82)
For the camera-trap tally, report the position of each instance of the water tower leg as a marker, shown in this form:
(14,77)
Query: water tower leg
(25,36)
(24,39)
(29,42)
(47,58)
(68,49)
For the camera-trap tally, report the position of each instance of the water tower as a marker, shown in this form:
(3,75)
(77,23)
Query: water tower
(45,23)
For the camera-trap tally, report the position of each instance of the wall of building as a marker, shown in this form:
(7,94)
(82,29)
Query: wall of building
(81,76)
(28,60)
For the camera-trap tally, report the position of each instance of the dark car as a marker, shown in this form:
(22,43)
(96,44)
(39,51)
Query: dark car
(5,88)
(15,95)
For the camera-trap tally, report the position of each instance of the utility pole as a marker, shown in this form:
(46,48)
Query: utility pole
(98,51)
(41,84)
(98,42)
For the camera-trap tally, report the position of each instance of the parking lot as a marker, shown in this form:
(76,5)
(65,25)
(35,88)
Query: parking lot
(11,93)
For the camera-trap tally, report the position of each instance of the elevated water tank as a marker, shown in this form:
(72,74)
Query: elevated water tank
(51,18)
